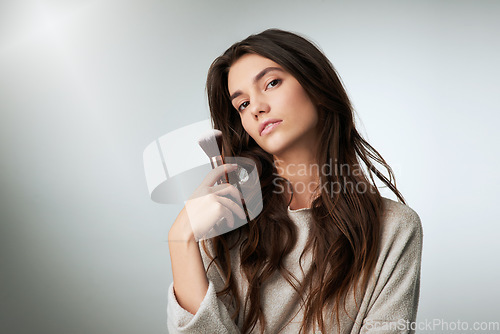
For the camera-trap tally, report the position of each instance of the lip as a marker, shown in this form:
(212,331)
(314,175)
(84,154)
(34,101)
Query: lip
(266,122)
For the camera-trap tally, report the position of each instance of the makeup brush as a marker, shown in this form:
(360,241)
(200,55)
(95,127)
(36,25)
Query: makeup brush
(211,143)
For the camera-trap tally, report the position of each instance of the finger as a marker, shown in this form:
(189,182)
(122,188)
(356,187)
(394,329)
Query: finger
(227,216)
(216,173)
(227,189)
(235,208)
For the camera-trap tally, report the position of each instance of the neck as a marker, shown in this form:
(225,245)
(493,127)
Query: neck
(302,170)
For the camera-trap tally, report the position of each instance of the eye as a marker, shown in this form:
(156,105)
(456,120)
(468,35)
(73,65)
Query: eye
(273,83)
(243,105)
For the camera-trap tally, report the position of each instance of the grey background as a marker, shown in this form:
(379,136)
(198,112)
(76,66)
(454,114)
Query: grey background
(86,85)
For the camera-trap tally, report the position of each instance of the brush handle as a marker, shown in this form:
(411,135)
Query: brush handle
(217,161)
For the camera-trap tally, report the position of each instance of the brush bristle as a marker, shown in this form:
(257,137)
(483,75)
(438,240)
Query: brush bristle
(211,142)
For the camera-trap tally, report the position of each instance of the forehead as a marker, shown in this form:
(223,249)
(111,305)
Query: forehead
(244,70)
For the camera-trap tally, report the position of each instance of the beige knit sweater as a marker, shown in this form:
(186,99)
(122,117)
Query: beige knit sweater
(389,304)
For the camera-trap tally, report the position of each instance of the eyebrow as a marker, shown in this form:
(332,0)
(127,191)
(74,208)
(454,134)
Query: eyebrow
(259,76)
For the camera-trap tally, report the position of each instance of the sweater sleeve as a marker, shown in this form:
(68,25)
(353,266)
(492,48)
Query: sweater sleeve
(213,315)
(394,302)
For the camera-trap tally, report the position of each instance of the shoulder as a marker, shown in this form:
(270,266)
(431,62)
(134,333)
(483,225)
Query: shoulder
(398,218)
(393,292)
(401,228)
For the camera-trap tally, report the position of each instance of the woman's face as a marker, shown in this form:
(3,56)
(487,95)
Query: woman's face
(263,93)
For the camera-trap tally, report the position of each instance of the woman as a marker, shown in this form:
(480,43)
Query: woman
(327,253)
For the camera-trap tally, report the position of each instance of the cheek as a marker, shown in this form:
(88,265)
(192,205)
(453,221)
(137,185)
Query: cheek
(308,106)
(300,100)
(304,111)
(246,126)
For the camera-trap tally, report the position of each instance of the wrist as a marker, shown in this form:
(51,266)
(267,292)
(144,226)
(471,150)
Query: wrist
(181,236)
(181,230)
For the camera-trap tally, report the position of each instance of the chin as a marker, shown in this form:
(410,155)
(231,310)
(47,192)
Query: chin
(275,146)
(273,150)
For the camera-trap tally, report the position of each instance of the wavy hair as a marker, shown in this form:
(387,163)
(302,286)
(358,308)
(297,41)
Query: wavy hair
(345,228)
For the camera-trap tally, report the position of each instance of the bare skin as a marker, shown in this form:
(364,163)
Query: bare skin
(210,204)
(262,90)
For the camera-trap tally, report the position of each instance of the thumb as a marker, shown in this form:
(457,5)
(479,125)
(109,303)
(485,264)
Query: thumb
(216,173)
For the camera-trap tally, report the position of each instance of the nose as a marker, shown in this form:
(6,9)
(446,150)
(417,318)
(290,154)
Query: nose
(259,106)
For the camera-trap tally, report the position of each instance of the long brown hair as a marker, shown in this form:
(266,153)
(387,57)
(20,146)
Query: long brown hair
(345,228)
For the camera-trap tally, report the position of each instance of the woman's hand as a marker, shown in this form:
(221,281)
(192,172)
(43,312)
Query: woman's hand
(208,206)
